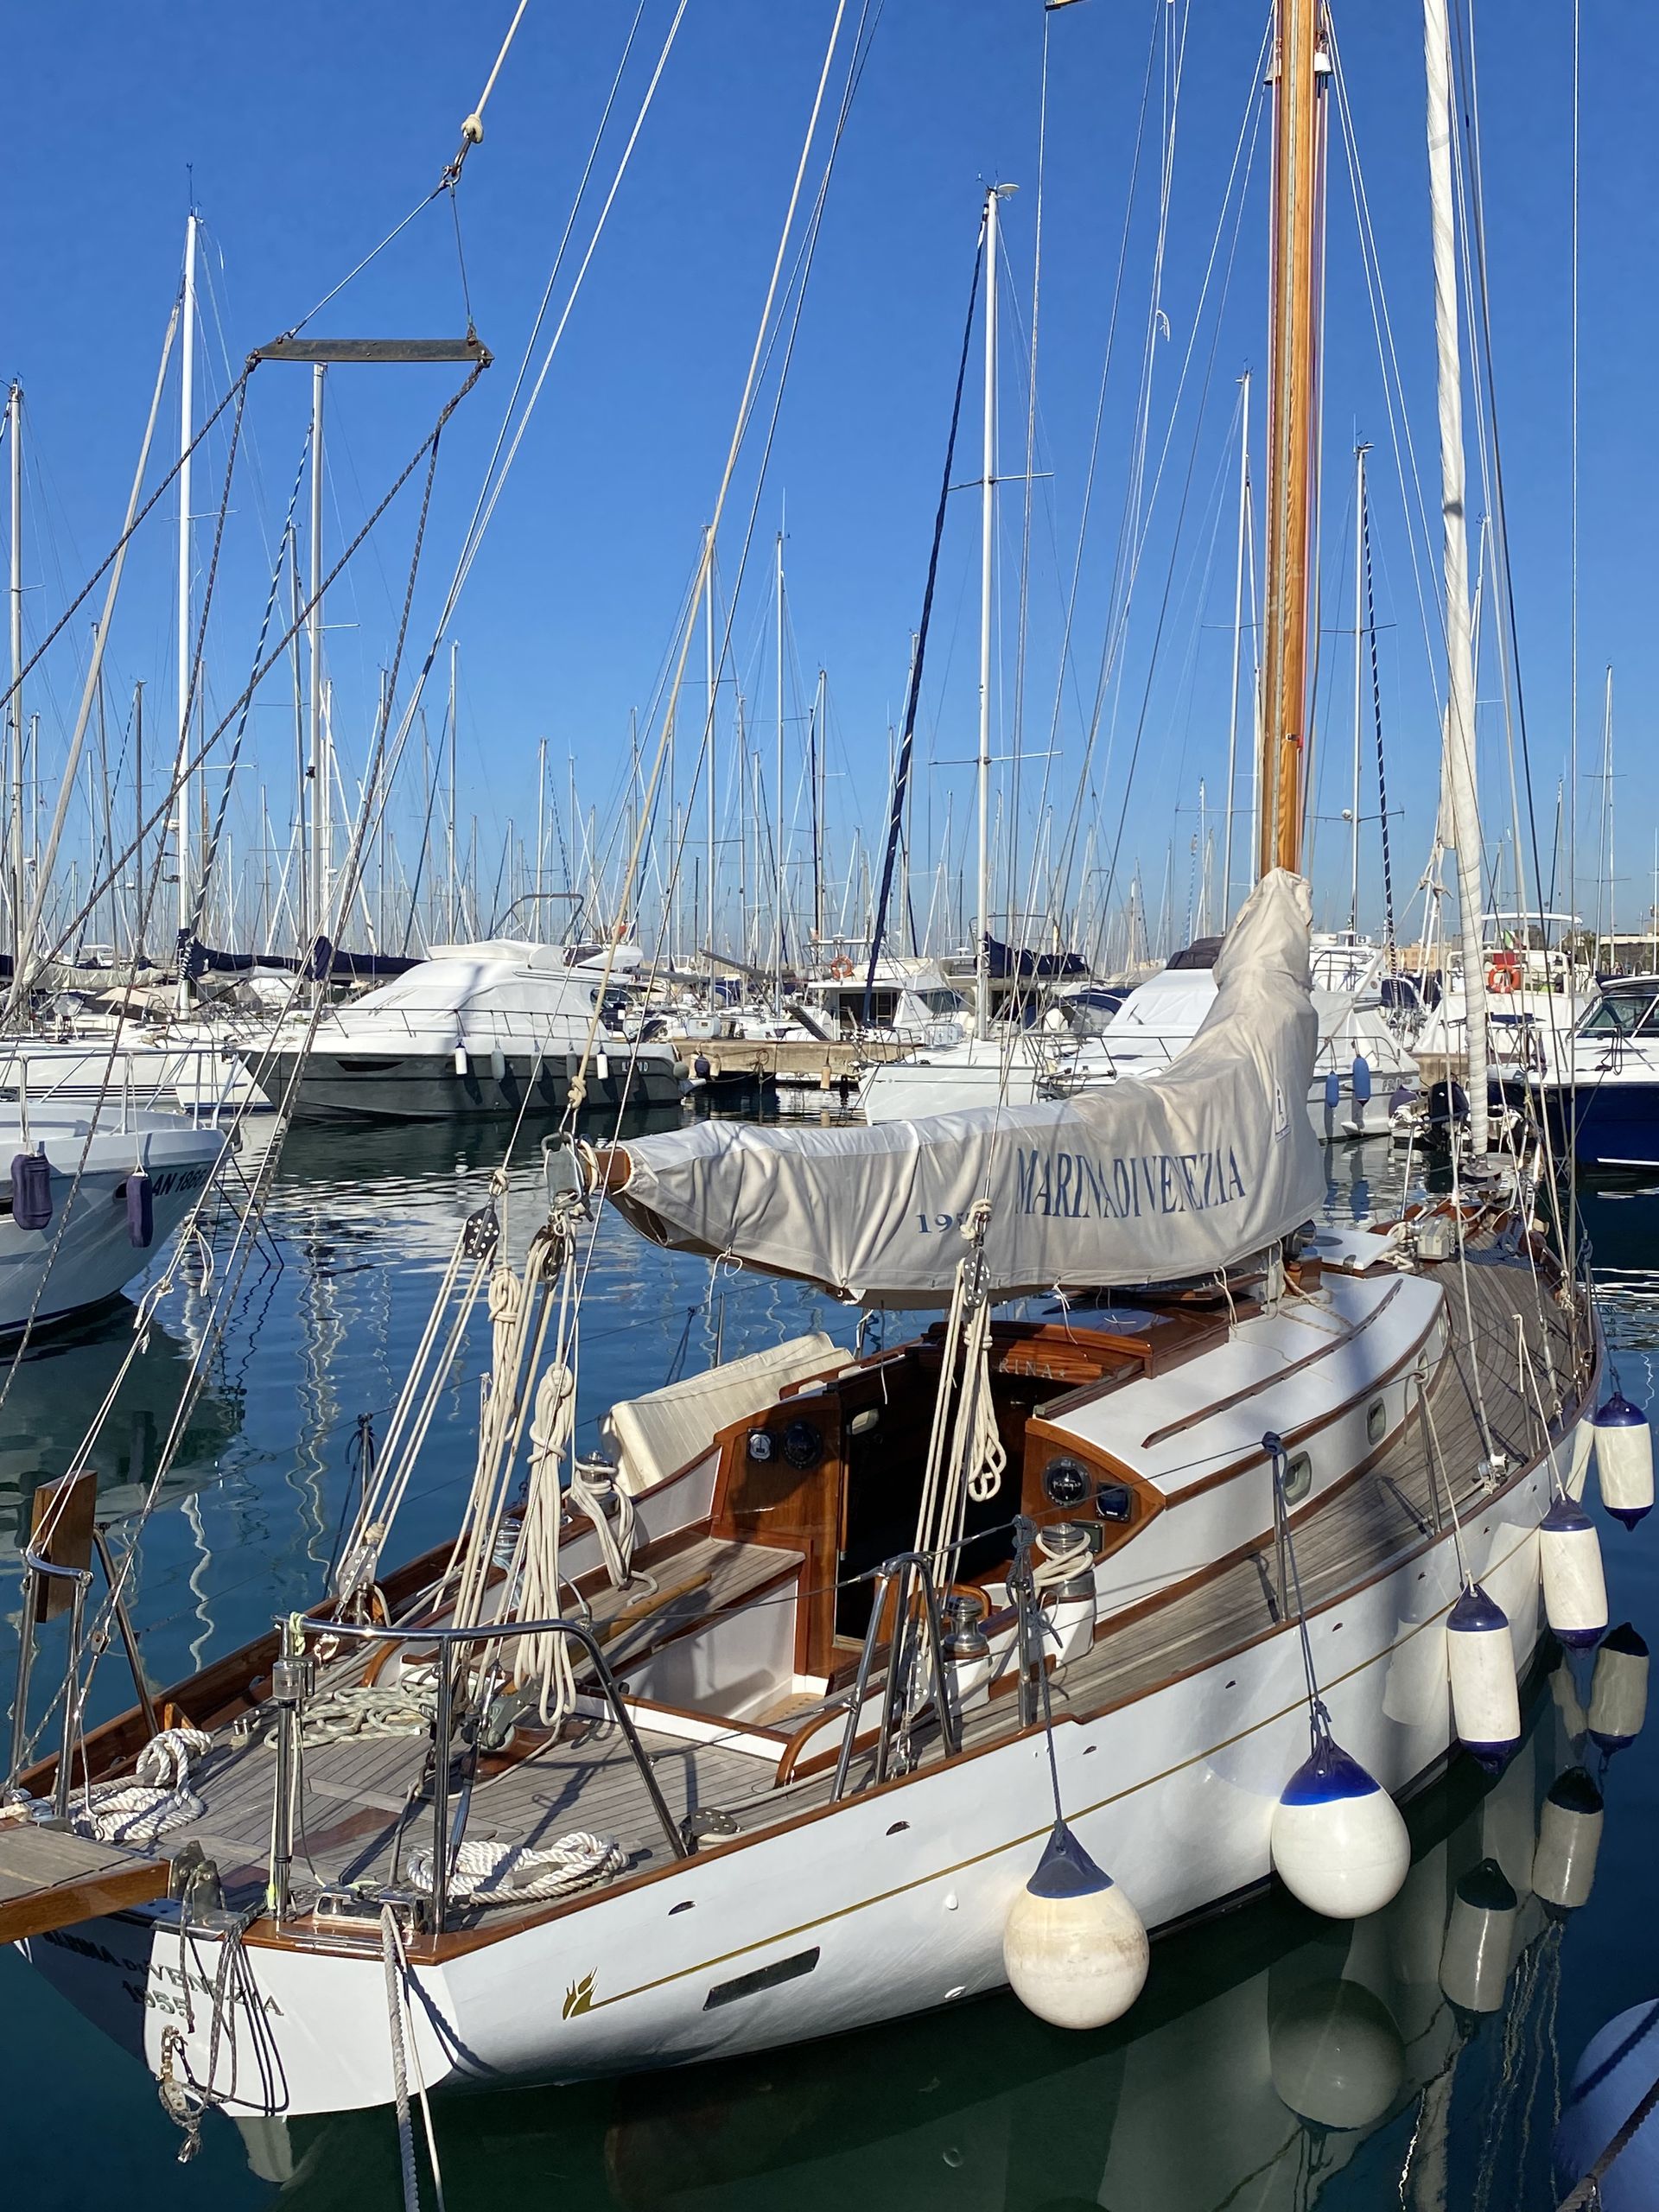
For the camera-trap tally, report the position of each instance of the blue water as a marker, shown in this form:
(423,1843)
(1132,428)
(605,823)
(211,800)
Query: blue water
(1235,2083)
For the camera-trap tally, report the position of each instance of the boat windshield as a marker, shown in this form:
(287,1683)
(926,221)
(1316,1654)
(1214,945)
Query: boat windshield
(1624,1013)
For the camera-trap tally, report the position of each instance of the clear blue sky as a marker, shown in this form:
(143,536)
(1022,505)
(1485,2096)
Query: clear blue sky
(309,132)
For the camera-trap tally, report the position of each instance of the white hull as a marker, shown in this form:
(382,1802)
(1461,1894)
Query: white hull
(85,1254)
(898,1896)
(196,1075)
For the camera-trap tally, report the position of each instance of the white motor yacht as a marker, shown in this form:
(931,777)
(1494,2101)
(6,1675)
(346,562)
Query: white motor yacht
(498,1027)
(86,1204)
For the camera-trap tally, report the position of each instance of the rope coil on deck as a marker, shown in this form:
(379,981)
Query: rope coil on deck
(498,1873)
(158,1798)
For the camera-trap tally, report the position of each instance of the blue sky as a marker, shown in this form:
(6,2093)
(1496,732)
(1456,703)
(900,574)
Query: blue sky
(306,146)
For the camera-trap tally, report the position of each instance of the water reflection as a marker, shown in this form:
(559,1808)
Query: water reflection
(1276,2060)
(54,1394)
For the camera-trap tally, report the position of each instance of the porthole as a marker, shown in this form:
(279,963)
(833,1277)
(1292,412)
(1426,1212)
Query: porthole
(1064,1483)
(802,1444)
(1299,1477)
(1376,1420)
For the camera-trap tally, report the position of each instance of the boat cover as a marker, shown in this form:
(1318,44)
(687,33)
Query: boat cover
(1150,1179)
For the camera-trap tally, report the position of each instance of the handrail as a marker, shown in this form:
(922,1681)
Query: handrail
(494,1632)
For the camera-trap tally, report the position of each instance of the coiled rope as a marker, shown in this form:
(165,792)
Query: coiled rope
(158,1798)
(486,1872)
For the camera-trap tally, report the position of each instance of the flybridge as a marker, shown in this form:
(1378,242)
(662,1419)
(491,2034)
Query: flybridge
(1125,1187)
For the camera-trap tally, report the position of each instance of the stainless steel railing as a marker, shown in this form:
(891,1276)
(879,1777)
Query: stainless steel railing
(446,1840)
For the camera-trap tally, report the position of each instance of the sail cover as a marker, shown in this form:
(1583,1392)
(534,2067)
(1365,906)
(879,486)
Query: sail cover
(1149,1180)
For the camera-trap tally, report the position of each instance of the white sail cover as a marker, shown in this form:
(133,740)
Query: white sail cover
(1150,1179)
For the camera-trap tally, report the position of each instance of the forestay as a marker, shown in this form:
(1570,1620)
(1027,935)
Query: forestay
(1151,1180)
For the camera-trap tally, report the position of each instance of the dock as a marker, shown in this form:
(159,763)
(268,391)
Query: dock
(807,1063)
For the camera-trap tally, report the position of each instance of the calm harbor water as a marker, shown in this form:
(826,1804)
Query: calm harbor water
(1275,2061)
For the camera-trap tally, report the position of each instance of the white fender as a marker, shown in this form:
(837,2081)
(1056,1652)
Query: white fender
(1480,1661)
(1575,1589)
(1623,1459)
(1074,1948)
(1339,1844)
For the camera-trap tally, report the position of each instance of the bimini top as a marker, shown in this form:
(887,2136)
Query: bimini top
(1149,1180)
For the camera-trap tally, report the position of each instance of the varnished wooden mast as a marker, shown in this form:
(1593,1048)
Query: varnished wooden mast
(1292,425)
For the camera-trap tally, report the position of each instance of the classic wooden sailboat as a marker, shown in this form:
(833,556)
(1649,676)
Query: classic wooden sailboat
(828,1693)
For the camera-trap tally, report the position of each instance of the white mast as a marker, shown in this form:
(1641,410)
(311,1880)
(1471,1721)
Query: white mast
(1238,645)
(1460,699)
(709,735)
(14,711)
(453,929)
(778,857)
(185,791)
(986,545)
(322,797)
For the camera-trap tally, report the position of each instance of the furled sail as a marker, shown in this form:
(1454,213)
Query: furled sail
(1149,1180)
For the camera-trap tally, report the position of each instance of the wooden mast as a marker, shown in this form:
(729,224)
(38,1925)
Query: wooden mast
(1298,69)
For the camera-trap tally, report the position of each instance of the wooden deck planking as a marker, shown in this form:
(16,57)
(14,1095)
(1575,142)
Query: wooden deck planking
(50,1878)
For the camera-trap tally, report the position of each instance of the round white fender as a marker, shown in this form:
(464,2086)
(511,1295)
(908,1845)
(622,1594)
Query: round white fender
(1336,2055)
(1618,1689)
(1575,1589)
(1339,1842)
(1479,1939)
(1569,1837)
(1074,1948)
(1623,1459)
(1480,1662)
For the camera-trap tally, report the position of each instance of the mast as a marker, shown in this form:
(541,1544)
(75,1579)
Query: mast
(1460,660)
(1299,71)
(1238,645)
(14,711)
(454,666)
(186,437)
(986,547)
(322,797)
(778,857)
(709,674)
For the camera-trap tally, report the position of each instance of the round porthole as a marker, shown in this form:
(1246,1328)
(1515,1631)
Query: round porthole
(802,1444)
(1064,1483)
(1299,1477)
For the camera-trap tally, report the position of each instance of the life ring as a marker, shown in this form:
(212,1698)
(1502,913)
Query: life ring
(841,968)
(1503,972)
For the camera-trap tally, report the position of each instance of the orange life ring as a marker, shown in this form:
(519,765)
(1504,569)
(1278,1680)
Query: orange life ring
(842,968)
(1503,972)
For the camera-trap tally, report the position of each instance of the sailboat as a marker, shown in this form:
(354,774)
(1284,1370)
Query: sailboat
(840,1687)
